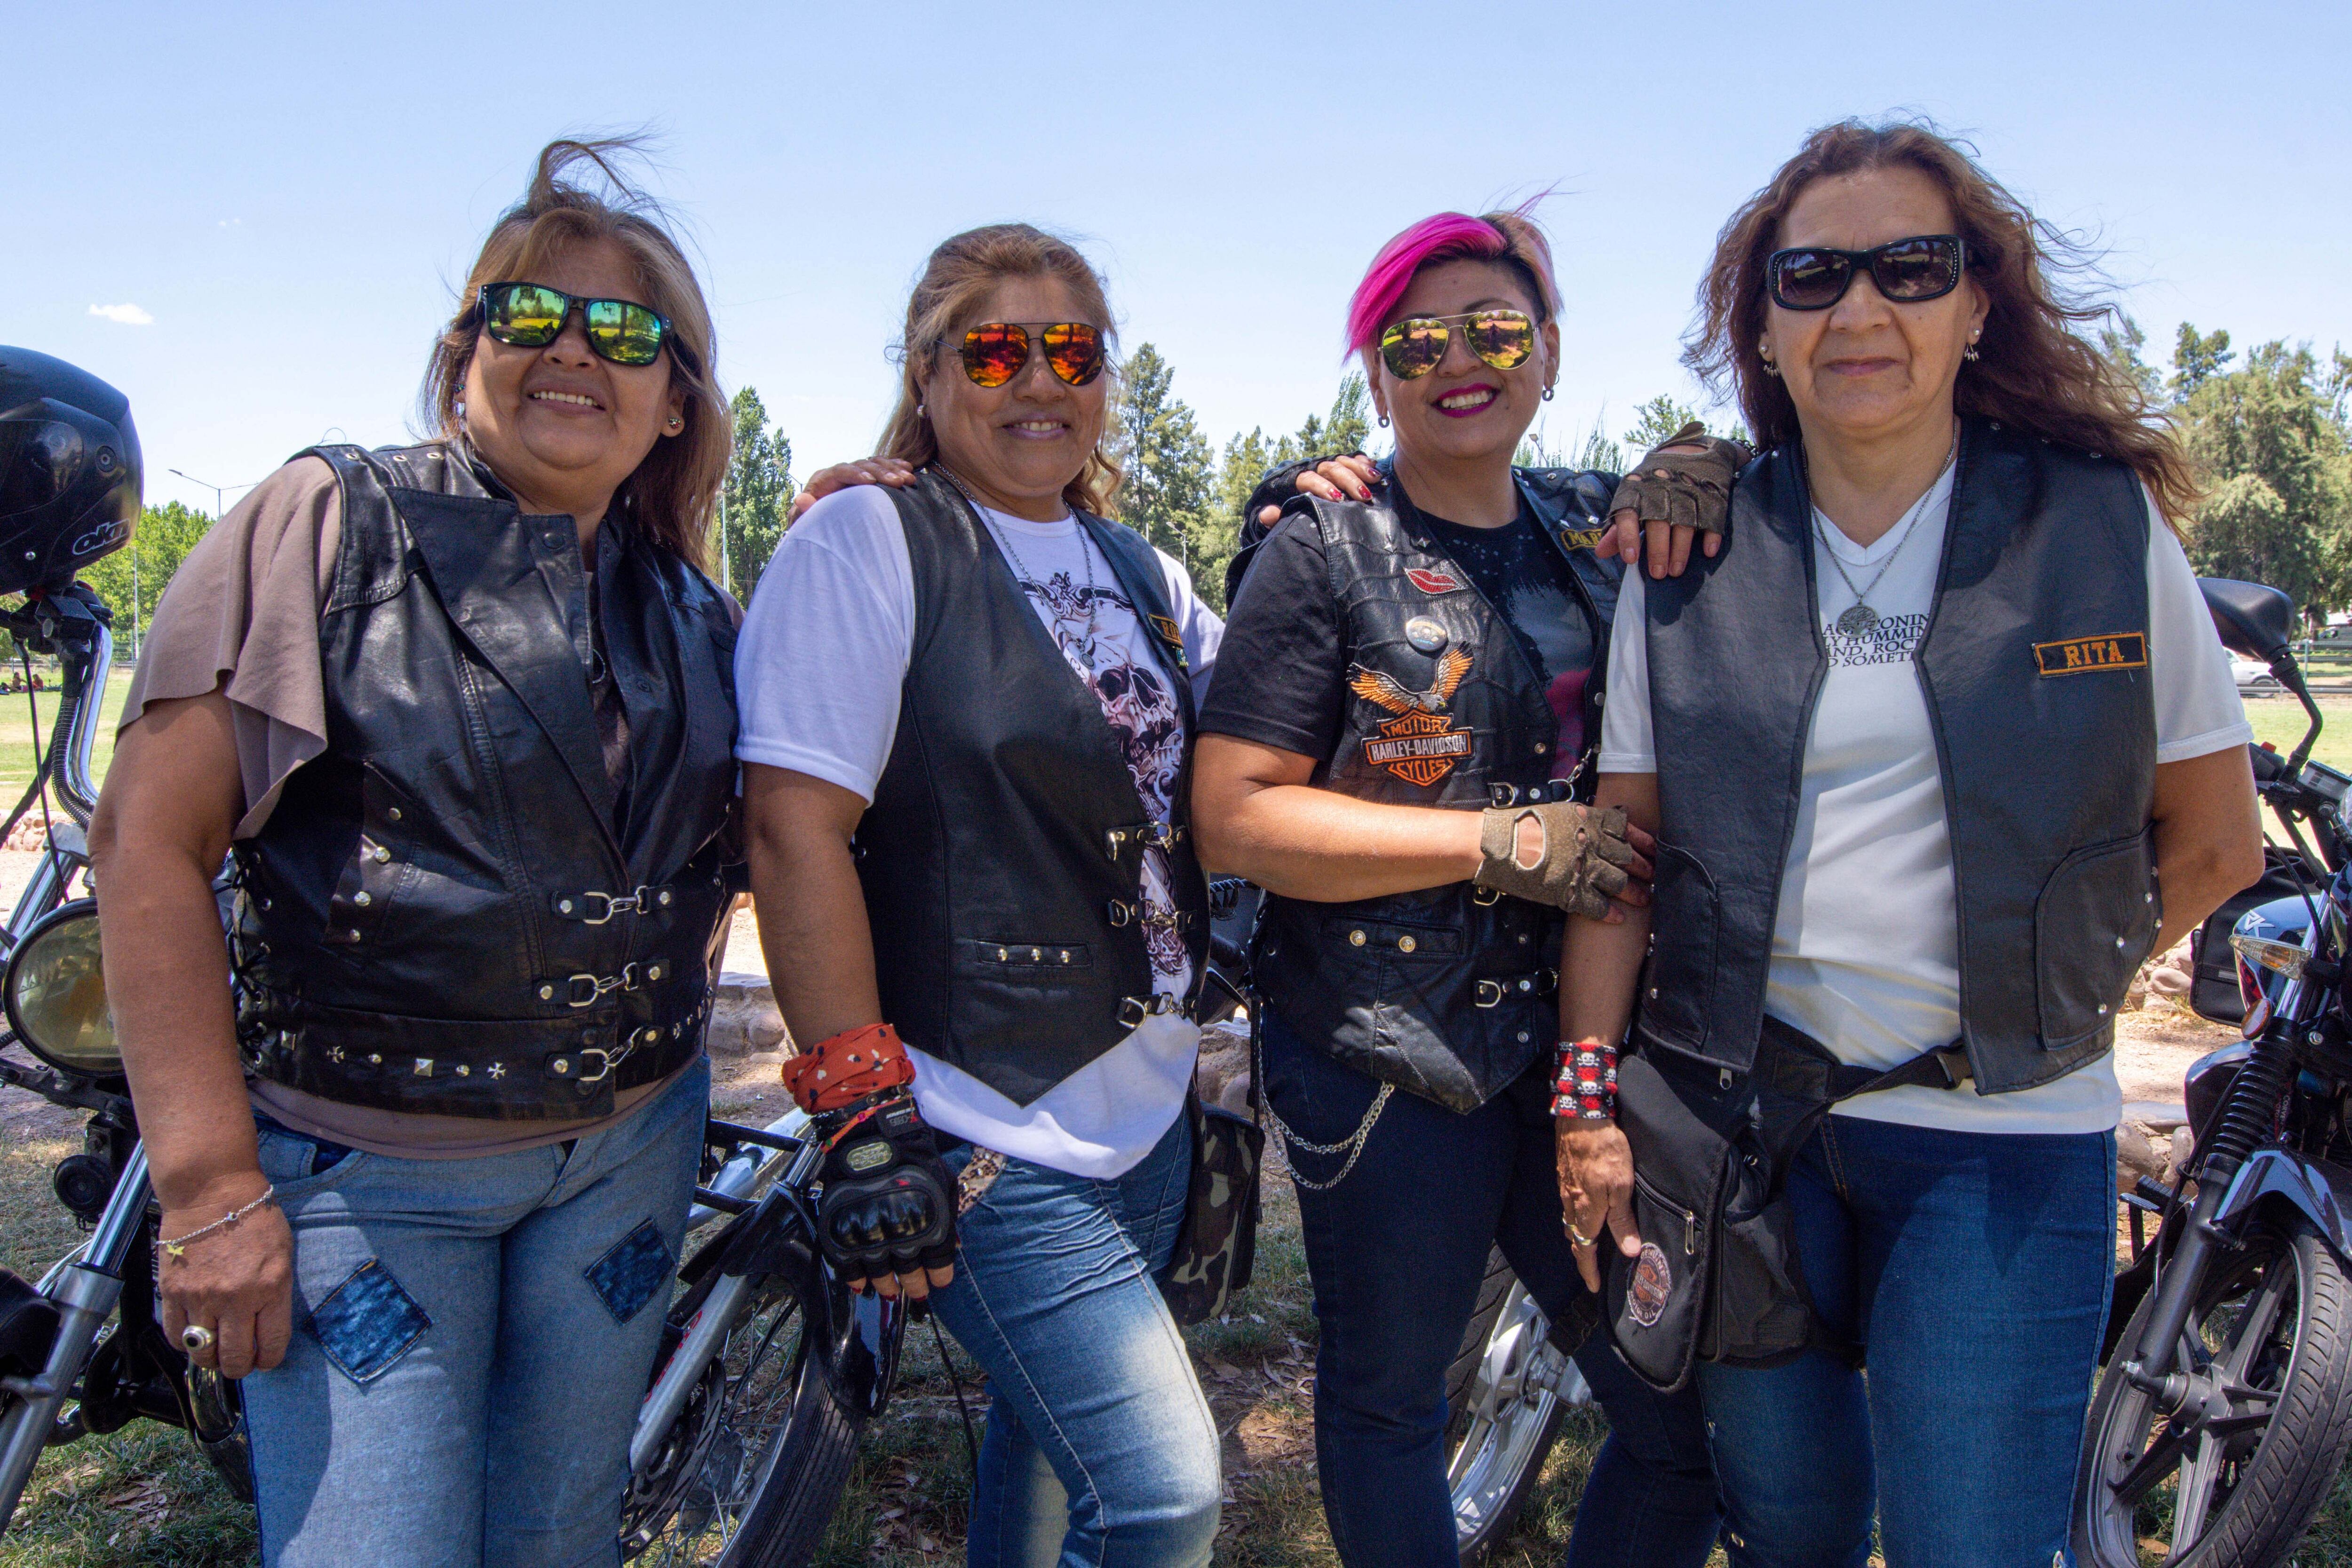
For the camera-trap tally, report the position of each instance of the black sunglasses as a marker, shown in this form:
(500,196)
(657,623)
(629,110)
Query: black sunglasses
(532,316)
(1907,271)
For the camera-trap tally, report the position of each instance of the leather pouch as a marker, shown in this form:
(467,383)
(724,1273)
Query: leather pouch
(1657,1304)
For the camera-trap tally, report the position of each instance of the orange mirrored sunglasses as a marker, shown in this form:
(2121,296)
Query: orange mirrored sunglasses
(994,351)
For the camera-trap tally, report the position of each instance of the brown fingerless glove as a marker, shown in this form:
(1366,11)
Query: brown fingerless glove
(1584,860)
(1686,488)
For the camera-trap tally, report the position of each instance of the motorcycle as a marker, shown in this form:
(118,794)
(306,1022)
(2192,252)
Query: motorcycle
(2224,1413)
(768,1368)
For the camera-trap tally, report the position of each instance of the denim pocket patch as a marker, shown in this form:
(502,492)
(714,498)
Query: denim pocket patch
(627,1277)
(367,1322)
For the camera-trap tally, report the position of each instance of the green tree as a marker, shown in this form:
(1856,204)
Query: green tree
(756,496)
(2120,346)
(1656,420)
(2198,360)
(1350,421)
(1243,464)
(133,577)
(1167,494)
(2270,442)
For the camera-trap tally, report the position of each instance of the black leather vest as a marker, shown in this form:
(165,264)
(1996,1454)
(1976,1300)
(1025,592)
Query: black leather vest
(1448,992)
(1002,855)
(2034,667)
(439,915)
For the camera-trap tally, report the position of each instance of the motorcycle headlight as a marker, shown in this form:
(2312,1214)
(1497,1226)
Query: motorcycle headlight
(55,993)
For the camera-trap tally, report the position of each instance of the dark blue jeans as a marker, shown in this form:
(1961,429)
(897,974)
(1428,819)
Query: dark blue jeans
(1975,1269)
(1397,1251)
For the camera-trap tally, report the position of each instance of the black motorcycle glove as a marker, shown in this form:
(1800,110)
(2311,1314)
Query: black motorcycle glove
(889,1206)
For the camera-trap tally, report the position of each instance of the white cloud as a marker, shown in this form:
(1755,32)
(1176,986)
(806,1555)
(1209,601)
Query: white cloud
(126,315)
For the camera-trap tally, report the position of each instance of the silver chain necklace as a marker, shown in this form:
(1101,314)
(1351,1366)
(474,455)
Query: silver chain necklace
(1859,619)
(1019,567)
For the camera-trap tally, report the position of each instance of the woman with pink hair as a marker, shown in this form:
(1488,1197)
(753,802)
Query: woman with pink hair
(1394,748)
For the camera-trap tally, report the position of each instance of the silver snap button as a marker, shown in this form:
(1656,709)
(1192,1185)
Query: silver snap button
(547,993)
(1356,938)
(653,971)
(564,906)
(1406,944)
(394,812)
(363,899)
(382,854)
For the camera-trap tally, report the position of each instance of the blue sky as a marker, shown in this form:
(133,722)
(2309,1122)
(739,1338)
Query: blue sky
(290,193)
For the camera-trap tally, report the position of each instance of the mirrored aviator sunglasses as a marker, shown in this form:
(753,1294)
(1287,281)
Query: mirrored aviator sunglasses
(994,351)
(1416,345)
(532,316)
(1905,271)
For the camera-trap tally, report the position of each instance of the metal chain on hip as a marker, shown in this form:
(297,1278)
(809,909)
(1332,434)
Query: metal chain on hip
(1353,1143)
(1086,551)
(1859,619)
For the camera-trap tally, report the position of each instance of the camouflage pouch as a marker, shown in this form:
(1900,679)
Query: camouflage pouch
(1217,1247)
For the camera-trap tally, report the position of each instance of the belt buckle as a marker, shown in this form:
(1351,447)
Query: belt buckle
(1958,1069)
(614,904)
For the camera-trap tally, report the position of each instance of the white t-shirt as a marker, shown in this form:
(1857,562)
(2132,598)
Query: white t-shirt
(819,672)
(1865,946)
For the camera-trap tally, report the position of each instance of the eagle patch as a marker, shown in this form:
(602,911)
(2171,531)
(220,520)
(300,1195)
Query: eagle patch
(1421,744)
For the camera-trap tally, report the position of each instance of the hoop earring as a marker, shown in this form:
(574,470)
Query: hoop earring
(919,413)
(1547,397)
(1384,422)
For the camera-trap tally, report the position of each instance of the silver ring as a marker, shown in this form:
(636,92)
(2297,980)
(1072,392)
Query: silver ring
(197,1339)
(1578,1237)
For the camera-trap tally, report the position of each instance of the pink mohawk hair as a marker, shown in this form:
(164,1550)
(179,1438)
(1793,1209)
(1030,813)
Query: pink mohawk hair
(1511,238)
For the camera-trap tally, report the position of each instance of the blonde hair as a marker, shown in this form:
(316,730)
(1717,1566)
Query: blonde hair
(954,288)
(674,489)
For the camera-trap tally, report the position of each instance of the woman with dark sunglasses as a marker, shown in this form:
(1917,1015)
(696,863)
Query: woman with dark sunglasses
(1391,749)
(462,712)
(1945,751)
(967,723)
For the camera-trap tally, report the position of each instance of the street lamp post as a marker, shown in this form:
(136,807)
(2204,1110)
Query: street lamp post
(219,508)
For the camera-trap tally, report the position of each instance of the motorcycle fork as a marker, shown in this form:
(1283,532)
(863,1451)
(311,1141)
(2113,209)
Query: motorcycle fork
(85,1293)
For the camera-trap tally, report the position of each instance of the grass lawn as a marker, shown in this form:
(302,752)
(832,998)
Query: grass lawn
(16,755)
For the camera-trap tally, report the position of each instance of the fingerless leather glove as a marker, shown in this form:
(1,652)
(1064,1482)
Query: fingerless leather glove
(889,1206)
(1583,860)
(1689,488)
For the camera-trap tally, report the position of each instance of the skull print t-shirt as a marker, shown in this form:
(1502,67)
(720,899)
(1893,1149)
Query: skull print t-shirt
(819,673)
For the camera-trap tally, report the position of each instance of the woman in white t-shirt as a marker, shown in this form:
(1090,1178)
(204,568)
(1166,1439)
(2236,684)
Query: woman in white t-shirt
(1943,753)
(967,715)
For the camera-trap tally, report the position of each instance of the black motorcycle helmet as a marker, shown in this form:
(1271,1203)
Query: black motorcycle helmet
(69,471)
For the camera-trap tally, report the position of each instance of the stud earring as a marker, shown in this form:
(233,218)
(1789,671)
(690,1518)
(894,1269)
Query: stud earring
(676,423)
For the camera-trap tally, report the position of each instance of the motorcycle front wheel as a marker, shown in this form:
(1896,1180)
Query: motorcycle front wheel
(1505,1393)
(755,1464)
(2225,1466)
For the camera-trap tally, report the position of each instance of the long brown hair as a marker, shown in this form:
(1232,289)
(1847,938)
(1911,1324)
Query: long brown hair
(2033,372)
(953,289)
(673,490)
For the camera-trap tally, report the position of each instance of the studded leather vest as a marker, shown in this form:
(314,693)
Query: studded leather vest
(2034,667)
(1448,992)
(1002,855)
(442,914)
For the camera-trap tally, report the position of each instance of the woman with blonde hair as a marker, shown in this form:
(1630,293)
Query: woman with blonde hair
(462,711)
(967,723)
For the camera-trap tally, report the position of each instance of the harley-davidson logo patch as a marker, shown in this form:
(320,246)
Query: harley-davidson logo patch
(2081,655)
(1434,581)
(1418,747)
(1652,1282)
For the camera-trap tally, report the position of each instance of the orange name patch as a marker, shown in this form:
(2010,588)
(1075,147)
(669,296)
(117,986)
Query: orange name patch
(2083,655)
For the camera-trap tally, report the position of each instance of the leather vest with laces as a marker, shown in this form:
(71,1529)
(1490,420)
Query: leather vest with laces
(1002,855)
(1450,991)
(2034,668)
(442,915)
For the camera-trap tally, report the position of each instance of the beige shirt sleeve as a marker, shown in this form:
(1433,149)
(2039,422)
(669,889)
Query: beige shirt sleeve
(241,615)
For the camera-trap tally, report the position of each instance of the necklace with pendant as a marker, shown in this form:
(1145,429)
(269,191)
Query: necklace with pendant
(1019,567)
(1859,619)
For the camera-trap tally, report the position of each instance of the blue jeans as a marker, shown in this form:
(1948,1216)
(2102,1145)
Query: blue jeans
(1397,1251)
(1100,1450)
(1974,1269)
(472,1339)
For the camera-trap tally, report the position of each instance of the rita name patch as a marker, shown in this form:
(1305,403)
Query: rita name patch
(2083,655)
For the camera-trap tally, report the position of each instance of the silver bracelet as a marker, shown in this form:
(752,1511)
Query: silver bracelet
(177,1247)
